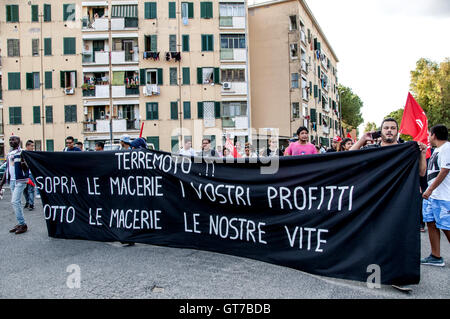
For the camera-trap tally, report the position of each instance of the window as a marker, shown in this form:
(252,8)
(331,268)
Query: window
(206,10)
(172,10)
(186,76)
(14,81)
(32,80)
(48,79)
(185,40)
(207,42)
(294,51)
(232,10)
(37,145)
(47,13)
(48,114)
(294,80)
(152,111)
(173,43)
(186,110)
(173,76)
(233,75)
(50,145)
(34,13)
(174,110)
(150,10)
(151,43)
(69,12)
(35,47)
(174,144)
(151,76)
(48,46)
(70,113)
(293,25)
(15,115)
(187,10)
(69,46)
(36,114)
(304,89)
(232,41)
(68,79)
(154,140)
(232,109)
(295,110)
(13,47)
(12,13)
(208,75)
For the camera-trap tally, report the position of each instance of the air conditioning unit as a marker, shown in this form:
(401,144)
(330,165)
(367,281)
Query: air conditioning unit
(69,91)
(226,85)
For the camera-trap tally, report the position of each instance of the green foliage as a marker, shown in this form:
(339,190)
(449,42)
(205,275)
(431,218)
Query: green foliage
(370,127)
(351,106)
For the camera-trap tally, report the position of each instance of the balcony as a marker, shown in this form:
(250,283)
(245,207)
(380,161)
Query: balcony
(98,58)
(303,37)
(123,91)
(232,22)
(118,126)
(238,122)
(234,88)
(99,24)
(122,57)
(98,91)
(233,55)
(124,23)
(304,66)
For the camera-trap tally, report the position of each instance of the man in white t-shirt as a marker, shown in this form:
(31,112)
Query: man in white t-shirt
(436,206)
(187,149)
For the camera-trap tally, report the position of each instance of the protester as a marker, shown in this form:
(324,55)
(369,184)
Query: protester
(125,142)
(272,149)
(226,153)
(206,149)
(335,145)
(17,175)
(248,151)
(99,146)
(346,144)
(29,190)
(187,148)
(70,147)
(436,206)
(139,143)
(79,145)
(302,147)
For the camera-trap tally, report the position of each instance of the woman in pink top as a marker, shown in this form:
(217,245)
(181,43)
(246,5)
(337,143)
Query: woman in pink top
(302,147)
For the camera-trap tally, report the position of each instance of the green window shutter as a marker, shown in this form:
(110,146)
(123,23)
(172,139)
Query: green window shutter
(186,76)
(187,110)
(49,114)
(69,45)
(75,78)
(69,12)
(209,10)
(216,75)
(48,46)
(148,111)
(172,10)
(14,81)
(15,13)
(8,14)
(318,71)
(142,76)
(62,75)
(154,140)
(185,42)
(150,10)
(29,78)
(173,110)
(153,43)
(47,13)
(217,110)
(313,115)
(147,10)
(50,145)
(318,46)
(204,42)
(48,79)
(155,111)
(199,76)
(190,10)
(36,114)
(316,91)
(200,110)
(202,10)
(310,88)
(315,44)
(15,115)
(320,97)
(34,13)
(210,42)
(174,144)
(320,119)
(160,76)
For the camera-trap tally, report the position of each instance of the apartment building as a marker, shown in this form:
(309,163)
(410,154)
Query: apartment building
(293,72)
(2,136)
(76,67)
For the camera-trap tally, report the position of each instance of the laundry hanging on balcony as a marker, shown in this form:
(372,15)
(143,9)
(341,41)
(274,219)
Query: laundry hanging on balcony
(124,11)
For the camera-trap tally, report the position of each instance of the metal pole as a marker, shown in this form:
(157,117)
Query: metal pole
(43,146)
(180,113)
(111,106)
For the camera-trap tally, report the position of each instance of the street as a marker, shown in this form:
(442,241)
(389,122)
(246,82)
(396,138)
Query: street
(33,265)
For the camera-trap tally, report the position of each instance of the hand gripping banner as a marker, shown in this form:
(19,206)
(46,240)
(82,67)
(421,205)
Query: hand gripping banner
(337,214)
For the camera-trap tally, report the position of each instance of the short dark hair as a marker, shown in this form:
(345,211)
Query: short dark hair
(78,143)
(100,144)
(70,138)
(301,129)
(207,139)
(29,142)
(440,131)
(389,119)
(345,140)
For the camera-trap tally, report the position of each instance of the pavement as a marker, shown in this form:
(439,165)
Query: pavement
(33,265)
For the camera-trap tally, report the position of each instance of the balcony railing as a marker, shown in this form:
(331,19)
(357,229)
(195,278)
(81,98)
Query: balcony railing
(99,24)
(226,21)
(119,57)
(233,54)
(118,126)
(132,90)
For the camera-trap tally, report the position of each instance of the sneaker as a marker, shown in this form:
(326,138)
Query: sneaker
(38,196)
(31,207)
(26,205)
(433,261)
(13,230)
(21,229)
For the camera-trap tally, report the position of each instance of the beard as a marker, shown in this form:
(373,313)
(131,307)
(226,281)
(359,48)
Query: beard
(388,140)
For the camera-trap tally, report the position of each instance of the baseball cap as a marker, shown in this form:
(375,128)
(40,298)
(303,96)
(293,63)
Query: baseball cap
(126,139)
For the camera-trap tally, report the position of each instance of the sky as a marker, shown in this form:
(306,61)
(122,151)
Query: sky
(378,43)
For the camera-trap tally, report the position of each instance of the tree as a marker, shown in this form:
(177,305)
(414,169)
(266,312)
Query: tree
(351,106)
(370,127)
(430,86)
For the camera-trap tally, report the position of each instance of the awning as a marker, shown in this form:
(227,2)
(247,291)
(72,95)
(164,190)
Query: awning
(124,11)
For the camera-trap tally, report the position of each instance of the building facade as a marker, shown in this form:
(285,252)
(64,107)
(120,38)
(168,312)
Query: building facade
(293,72)
(73,68)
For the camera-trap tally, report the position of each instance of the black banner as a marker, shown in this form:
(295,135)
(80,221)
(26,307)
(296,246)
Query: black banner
(351,215)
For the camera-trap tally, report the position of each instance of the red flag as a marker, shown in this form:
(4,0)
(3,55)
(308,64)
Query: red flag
(231,148)
(415,122)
